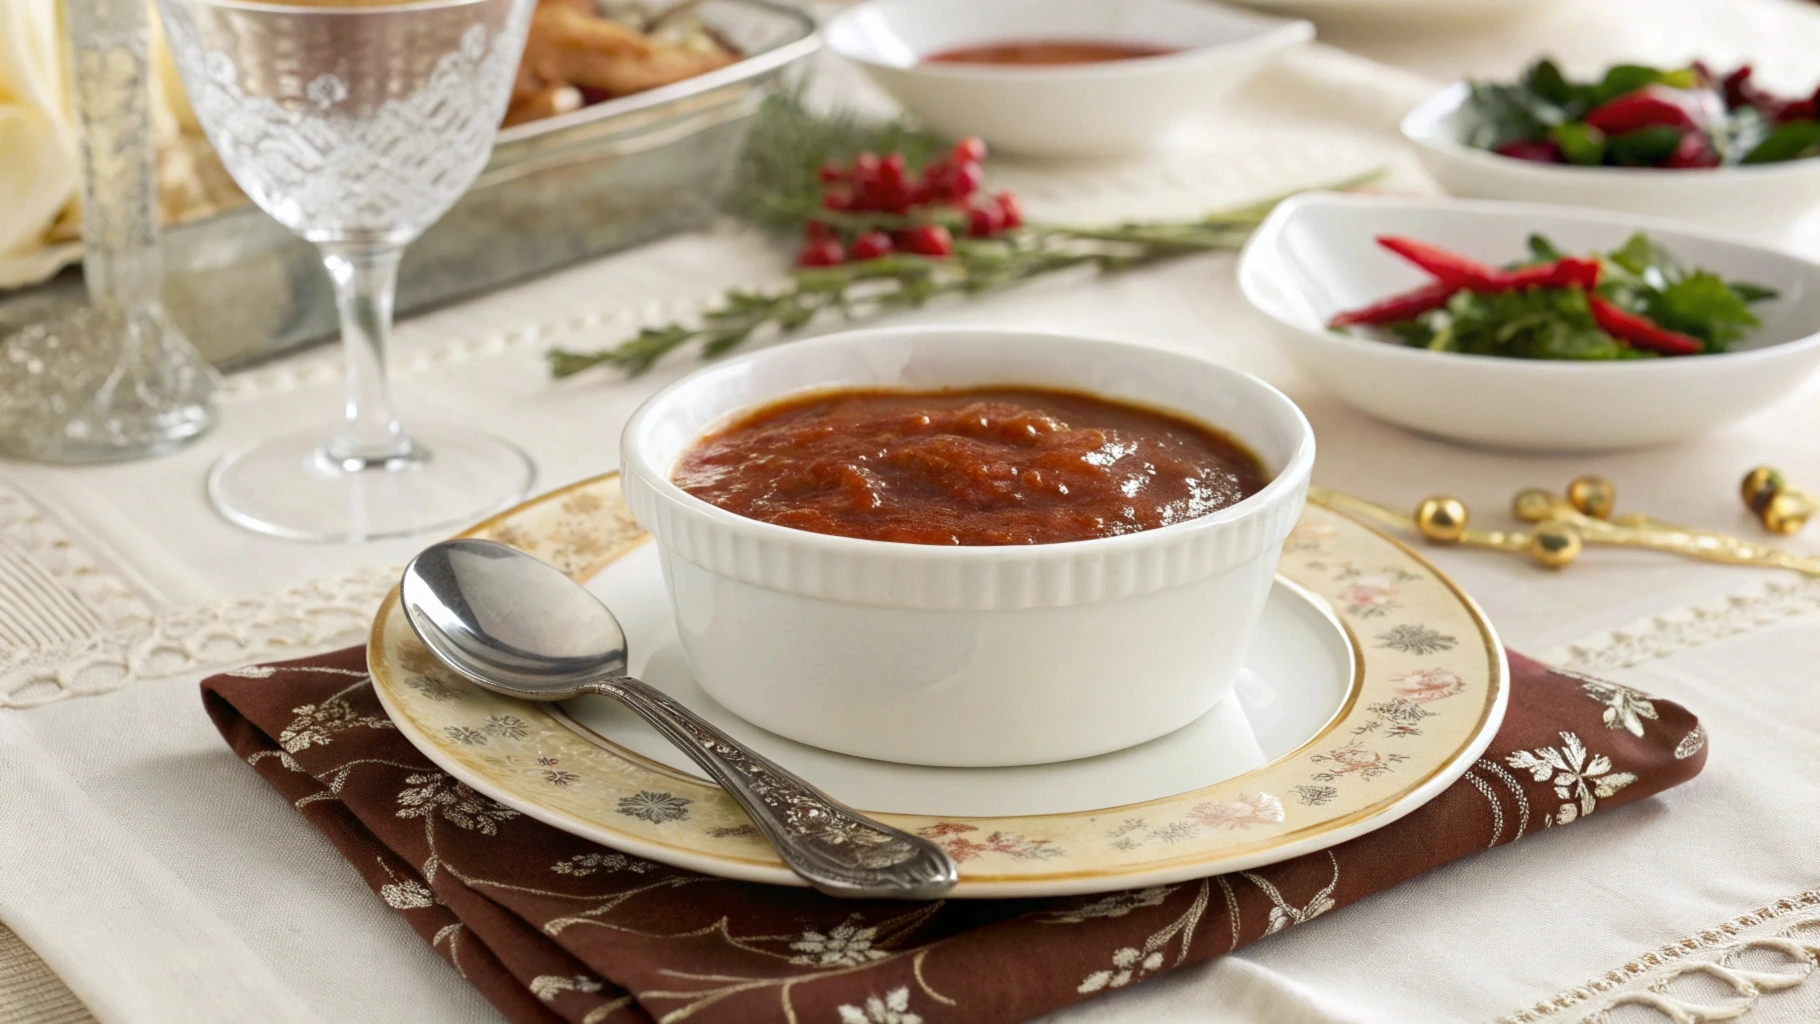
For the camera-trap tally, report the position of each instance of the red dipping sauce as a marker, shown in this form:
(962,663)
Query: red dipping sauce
(1048,51)
(975,466)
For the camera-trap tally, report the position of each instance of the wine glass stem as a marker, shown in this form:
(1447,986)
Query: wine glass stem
(365,280)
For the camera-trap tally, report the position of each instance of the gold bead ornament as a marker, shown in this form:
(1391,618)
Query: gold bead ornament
(1593,495)
(1555,545)
(1779,507)
(1441,519)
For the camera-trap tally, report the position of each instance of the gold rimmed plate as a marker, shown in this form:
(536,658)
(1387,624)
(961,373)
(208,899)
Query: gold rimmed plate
(1372,684)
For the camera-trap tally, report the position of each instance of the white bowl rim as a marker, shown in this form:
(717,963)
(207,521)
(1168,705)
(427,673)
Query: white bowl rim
(1291,477)
(1421,127)
(1272,33)
(1267,233)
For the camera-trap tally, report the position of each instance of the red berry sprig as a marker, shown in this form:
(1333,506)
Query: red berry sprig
(884,185)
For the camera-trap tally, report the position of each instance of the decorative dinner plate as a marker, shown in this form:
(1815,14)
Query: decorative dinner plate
(1372,684)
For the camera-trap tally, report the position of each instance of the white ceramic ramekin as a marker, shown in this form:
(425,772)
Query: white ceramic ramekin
(967,656)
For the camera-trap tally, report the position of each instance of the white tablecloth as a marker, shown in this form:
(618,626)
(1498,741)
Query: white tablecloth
(163,881)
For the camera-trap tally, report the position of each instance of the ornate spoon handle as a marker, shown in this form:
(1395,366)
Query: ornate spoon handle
(833,847)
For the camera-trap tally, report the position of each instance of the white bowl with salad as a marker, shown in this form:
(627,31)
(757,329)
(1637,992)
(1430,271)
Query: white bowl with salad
(1692,144)
(1532,327)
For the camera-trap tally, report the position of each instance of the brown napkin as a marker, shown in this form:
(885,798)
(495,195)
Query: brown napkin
(607,937)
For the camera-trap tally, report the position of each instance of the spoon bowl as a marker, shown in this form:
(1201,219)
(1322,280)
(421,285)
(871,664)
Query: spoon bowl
(513,624)
(539,641)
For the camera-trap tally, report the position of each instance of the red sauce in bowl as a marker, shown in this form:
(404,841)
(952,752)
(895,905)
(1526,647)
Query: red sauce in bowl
(1048,51)
(976,466)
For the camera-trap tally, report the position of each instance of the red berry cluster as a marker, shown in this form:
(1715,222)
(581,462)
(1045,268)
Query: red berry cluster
(875,184)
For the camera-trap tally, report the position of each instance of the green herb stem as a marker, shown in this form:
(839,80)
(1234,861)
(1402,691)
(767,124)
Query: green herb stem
(777,187)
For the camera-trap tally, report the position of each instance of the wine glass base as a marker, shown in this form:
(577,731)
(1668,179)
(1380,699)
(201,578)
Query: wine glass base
(289,486)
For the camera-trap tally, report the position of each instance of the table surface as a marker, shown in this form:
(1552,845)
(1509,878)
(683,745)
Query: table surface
(161,880)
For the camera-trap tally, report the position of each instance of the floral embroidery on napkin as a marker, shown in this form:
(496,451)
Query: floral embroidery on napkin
(1283,913)
(428,793)
(1131,962)
(1625,708)
(843,945)
(315,724)
(546,987)
(1575,775)
(894,1008)
(1691,744)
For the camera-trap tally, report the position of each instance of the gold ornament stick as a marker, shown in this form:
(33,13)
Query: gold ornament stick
(1538,506)
(1597,497)
(1442,520)
(1562,529)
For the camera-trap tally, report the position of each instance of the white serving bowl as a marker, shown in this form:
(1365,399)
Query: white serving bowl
(1316,256)
(967,656)
(1762,200)
(1059,110)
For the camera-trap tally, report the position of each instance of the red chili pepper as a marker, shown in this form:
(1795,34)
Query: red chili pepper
(1799,110)
(1398,307)
(1567,272)
(1447,267)
(1650,106)
(1573,272)
(1539,151)
(1738,90)
(1639,332)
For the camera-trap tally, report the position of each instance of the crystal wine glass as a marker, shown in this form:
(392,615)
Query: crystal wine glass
(356,124)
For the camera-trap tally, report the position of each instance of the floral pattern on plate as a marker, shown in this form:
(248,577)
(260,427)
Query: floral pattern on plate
(1428,685)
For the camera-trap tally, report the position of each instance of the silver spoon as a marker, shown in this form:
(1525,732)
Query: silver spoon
(520,627)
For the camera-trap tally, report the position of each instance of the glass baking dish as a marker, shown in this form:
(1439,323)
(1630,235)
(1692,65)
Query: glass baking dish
(555,192)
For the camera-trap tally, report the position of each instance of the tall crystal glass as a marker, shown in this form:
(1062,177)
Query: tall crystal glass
(356,125)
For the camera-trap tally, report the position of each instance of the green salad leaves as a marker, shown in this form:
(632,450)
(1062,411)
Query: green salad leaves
(1640,278)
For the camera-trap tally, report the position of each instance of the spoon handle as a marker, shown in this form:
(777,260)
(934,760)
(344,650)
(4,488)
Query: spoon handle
(833,847)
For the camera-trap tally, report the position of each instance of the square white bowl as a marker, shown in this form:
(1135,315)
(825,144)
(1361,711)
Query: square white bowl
(1063,109)
(1316,256)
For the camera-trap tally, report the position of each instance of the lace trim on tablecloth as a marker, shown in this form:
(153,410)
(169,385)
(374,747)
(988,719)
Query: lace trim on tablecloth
(69,628)
(1781,942)
(1691,626)
(285,623)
